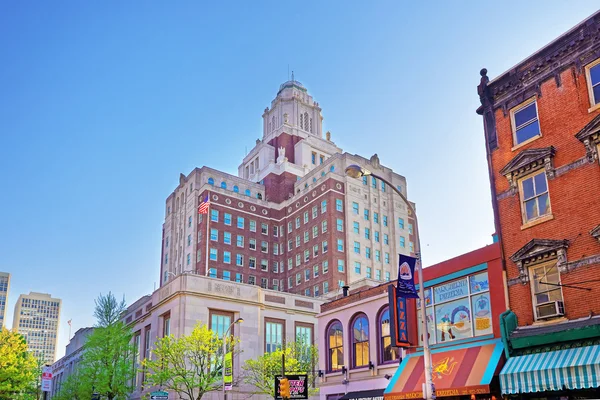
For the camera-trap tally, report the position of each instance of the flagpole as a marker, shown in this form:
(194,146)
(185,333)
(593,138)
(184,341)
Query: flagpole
(207,232)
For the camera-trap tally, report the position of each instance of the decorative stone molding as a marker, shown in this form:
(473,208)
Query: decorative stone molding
(596,232)
(590,137)
(539,250)
(528,161)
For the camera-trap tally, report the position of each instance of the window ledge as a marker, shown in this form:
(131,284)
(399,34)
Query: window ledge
(594,108)
(549,321)
(333,374)
(537,221)
(533,139)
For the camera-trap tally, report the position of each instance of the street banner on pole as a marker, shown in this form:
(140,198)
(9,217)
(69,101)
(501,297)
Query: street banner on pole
(406,277)
(298,386)
(228,365)
(399,319)
(46,378)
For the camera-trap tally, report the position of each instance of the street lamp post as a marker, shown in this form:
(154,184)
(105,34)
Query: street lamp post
(237,321)
(356,171)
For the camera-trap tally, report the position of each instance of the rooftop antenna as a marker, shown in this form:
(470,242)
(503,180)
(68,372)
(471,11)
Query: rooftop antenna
(292,76)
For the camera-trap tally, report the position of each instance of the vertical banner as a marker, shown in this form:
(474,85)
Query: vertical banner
(228,365)
(398,319)
(46,379)
(406,277)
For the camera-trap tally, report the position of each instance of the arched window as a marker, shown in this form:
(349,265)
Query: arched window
(273,122)
(332,168)
(259,196)
(211,181)
(306,121)
(387,352)
(236,189)
(311,125)
(335,346)
(360,341)
(223,185)
(247,192)
(314,180)
(301,122)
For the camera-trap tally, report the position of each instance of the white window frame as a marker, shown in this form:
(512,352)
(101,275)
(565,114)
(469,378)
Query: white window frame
(543,217)
(531,268)
(594,105)
(513,124)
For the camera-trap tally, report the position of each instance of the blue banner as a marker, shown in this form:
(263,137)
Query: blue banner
(406,278)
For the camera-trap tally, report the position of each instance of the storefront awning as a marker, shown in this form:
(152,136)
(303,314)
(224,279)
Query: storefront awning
(577,368)
(375,394)
(457,371)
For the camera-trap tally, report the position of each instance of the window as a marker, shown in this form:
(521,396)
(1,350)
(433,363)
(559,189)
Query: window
(368,252)
(315,230)
(340,225)
(315,212)
(297,222)
(227,219)
(313,158)
(273,336)
(315,250)
(276,267)
(377,274)
(386,239)
(251,280)
(369,273)
(220,322)
(226,237)
(367,233)
(290,245)
(356,227)
(376,217)
(323,226)
(366,214)
(547,294)
(236,189)
(388,353)
(304,333)
(276,249)
(226,275)
(290,282)
(335,346)
(316,271)
(306,217)
(306,237)
(252,226)
(385,220)
(190,218)
(214,215)
(387,258)
(387,276)
(402,242)
(306,275)
(325,267)
(298,278)
(323,206)
(247,193)
(307,292)
(240,222)
(264,265)
(325,247)
(189,240)
(167,325)
(239,277)
(252,244)
(264,247)
(382,186)
(340,265)
(188,259)
(212,272)
(252,263)
(306,255)
(240,241)
(290,227)
(340,244)
(325,287)
(376,237)
(593,80)
(223,185)
(214,235)
(365,181)
(290,263)
(355,208)
(535,200)
(213,254)
(360,341)
(357,267)
(211,181)
(297,241)
(400,223)
(316,290)
(411,247)
(264,229)
(357,247)
(377,255)
(239,260)
(373,182)
(525,122)
(410,229)
(298,259)
(339,205)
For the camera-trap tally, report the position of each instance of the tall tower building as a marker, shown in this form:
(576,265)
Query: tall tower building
(4,287)
(37,317)
(291,220)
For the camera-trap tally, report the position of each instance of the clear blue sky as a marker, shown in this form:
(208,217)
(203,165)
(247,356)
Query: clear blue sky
(103,104)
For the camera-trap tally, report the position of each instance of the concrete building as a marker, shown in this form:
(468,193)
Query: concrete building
(542,131)
(68,364)
(37,318)
(4,288)
(291,220)
(181,303)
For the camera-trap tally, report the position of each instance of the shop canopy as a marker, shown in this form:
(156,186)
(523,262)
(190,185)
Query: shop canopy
(457,371)
(374,394)
(576,368)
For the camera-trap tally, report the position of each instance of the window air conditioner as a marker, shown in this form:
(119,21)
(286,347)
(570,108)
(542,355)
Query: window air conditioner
(550,310)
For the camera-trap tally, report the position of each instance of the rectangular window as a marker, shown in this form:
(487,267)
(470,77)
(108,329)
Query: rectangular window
(315,230)
(264,229)
(214,215)
(357,247)
(316,290)
(290,282)
(220,322)
(356,227)
(297,222)
(402,242)
(239,277)
(298,260)
(226,237)
(340,264)
(340,225)
(264,265)
(313,158)
(547,292)
(325,247)
(240,222)
(316,271)
(376,237)
(382,186)
(214,235)
(251,280)
(304,333)
(290,263)
(273,336)
(290,245)
(339,205)
(226,275)
(410,229)
(298,278)
(593,81)
(400,223)
(411,247)
(276,249)
(357,267)
(298,241)
(306,217)
(190,219)
(275,231)
(340,244)
(252,263)
(378,274)
(213,254)
(307,292)
(315,250)
(368,252)
(387,276)
(321,156)
(366,214)
(377,255)
(385,220)
(189,240)
(306,275)
(535,199)
(369,274)
(365,181)
(323,226)
(239,241)
(376,217)
(386,239)
(323,206)
(525,122)
(315,212)
(306,255)
(188,259)
(367,233)
(290,227)
(252,244)
(239,260)
(264,246)
(325,267)
(252,226)
(325,287)
(373,182)
(166,325)
(355,208)
(387,258)
(227,257)
(306,237)
(212,272)
(227,218)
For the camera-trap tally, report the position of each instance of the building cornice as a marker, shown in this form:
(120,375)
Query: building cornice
(590,137)
(528,161)
(539,250)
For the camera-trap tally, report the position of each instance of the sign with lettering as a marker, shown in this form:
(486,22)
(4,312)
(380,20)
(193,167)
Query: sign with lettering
(451,291)
(398,318)
(228,365)
(160,395)
(406,277)
(460,391)
(298,386)
(47,379)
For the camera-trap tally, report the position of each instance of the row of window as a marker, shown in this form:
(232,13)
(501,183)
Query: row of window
(360,347)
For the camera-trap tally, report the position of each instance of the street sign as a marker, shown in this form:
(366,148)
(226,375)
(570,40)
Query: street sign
(159,396)
(47,378)
(298,386)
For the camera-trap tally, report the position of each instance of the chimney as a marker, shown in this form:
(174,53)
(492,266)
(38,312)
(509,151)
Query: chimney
(345,290)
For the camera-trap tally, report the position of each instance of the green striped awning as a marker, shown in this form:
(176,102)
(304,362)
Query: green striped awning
(577,368)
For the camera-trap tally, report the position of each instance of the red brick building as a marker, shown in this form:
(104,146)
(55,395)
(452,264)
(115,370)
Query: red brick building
(542,130)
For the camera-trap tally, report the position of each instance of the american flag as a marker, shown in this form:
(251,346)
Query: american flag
(203,207)
(69,322)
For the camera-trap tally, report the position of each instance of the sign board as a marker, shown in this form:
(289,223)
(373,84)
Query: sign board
(298,386)
(398,318)
(228,376)
(159,396)
(46,379)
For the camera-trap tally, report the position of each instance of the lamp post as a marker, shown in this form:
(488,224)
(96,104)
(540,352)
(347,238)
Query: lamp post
(237,321)
(356,171)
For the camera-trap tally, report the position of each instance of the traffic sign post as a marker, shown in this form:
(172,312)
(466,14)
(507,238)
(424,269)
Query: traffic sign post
(159,395)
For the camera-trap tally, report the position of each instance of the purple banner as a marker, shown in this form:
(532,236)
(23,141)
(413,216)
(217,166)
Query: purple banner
(406,278)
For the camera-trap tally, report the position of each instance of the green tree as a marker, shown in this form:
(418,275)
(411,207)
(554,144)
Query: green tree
(17,366)
(300,358)
(189,365)
(73,389)
(107,365)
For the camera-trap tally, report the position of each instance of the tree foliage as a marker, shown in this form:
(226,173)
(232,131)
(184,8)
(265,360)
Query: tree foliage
(73,388)
(17,366)
(300,358)
(189,365)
